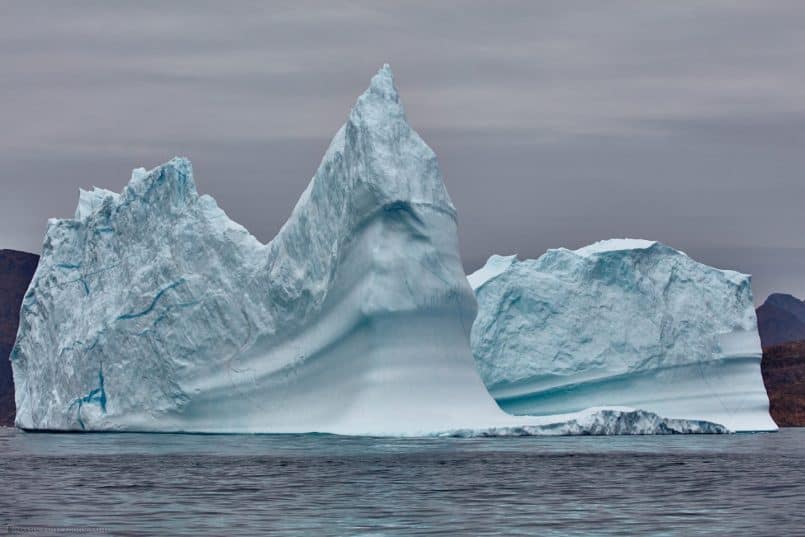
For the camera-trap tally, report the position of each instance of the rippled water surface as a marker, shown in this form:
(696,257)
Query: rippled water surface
(136,484)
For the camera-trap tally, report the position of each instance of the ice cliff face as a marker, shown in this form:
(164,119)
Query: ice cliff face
(152,310)
(620,322)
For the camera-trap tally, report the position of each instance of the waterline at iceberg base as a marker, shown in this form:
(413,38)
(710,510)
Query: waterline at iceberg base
(151,310)
(620,322)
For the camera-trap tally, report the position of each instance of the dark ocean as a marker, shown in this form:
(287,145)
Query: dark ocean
(167,484)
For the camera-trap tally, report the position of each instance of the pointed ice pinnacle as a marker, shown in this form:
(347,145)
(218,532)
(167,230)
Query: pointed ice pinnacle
(383,151)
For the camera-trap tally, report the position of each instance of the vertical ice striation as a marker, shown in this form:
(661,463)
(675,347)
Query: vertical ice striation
(620,322)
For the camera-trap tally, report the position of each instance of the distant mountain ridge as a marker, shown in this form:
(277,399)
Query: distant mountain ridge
(789,303)
(781,319)
(16,271)
(783,370)
(781,324)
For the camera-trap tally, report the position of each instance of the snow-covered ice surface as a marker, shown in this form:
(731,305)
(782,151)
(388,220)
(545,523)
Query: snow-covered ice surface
(151,310)
(620,322)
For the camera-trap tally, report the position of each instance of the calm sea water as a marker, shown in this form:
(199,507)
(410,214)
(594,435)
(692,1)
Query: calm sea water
(135,484)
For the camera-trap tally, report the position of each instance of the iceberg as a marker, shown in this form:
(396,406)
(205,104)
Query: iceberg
(151,310)
(620,322)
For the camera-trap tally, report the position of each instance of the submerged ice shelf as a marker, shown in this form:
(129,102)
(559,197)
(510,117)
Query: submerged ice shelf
(593,421)
(620,322)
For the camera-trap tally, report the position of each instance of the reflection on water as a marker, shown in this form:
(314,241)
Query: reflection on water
(166,484)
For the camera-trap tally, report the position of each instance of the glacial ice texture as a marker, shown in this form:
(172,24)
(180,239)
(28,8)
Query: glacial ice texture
(620,322)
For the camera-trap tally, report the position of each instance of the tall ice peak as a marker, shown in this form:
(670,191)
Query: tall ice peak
(380,102)
(380,157)
(382,84)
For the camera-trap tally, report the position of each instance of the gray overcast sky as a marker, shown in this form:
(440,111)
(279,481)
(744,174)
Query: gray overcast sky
(556,123)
